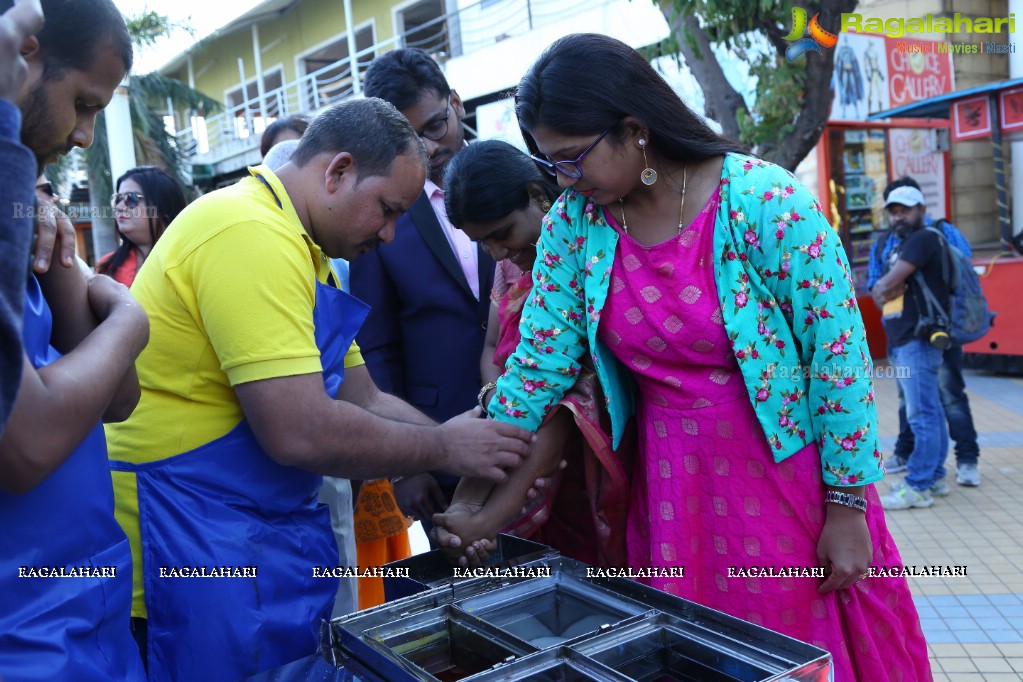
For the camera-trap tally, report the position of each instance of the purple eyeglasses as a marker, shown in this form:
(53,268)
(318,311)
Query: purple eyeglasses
(570,169)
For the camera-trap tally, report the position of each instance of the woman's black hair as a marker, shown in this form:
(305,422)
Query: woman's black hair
(490,179)
(164,201)
(586,83)
(297,123)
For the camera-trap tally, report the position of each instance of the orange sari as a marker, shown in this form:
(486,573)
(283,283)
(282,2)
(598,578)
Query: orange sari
(380,536)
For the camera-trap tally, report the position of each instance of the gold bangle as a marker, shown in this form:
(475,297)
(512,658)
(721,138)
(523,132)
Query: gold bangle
(483,393)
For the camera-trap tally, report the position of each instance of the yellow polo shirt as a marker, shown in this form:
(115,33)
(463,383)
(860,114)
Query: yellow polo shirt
(230,290)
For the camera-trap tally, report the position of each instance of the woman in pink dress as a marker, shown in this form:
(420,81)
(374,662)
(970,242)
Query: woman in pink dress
(715,303)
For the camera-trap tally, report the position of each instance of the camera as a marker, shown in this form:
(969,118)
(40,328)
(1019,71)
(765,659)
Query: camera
(936,333)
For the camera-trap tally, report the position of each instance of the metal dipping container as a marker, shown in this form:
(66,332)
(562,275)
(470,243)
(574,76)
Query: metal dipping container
(560,626)
(431,569)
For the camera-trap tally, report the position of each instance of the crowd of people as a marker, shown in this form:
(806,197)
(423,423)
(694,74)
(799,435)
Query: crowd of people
(302,360)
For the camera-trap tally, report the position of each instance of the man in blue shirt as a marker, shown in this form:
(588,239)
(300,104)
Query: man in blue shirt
(950,375)
(17,166)
(915,344)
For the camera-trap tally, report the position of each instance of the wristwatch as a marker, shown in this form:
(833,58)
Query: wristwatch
(846,500)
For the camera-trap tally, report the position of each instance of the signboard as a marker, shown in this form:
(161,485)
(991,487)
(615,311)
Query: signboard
(1010,109)
(497,121)
(874,73)
(913,152)
(971,118)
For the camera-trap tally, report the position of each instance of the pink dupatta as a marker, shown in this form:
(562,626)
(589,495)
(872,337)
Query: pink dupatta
(584,514)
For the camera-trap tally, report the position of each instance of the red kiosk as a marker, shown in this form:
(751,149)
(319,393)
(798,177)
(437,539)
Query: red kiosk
(988,111)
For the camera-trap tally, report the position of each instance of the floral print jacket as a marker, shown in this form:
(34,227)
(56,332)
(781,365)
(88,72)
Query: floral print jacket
(788,304)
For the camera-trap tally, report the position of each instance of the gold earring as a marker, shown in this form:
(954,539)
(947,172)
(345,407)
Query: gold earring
(545,205)
(649,175)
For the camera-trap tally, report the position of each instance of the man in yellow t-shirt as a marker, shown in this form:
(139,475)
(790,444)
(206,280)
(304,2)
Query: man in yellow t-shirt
(217,470)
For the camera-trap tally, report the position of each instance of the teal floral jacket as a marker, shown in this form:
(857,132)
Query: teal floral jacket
(788,304)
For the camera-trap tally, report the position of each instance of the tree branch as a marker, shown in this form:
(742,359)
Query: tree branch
(722,102)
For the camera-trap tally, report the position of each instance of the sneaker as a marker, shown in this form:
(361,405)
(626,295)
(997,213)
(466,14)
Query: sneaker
(967,474)
(904,497)
(940,488)
(895,464)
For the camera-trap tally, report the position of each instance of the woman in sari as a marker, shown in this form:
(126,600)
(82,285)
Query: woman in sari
(497,196)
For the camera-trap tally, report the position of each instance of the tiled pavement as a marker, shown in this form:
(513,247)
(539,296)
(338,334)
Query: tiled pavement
(973,623)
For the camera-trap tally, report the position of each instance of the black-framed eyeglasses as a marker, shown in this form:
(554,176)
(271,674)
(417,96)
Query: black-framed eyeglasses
(437,128)
(46,188)
(570,169)
(130,199)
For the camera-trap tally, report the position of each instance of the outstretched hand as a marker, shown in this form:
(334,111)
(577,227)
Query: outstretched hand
(483,448)
(455,534)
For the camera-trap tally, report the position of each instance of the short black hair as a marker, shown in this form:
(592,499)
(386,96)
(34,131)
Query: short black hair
(904,181)
(401,76)
(76,30)
(370,129)
(489,180)
(296,122)
(563,91)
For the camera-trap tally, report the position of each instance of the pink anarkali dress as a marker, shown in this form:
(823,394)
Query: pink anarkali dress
(707,493)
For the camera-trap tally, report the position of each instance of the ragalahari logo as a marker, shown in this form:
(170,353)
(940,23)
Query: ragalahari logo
(817,39)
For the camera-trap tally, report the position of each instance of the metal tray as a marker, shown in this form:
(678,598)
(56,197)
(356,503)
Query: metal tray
(564,626)
(431,569)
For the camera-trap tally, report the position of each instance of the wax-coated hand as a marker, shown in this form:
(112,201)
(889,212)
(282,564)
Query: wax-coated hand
(844,548)
(483,448)
(22,20)
(419,496)
(455,533)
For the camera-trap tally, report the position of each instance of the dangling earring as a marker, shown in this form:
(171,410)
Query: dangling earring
(545,205)
(649,175)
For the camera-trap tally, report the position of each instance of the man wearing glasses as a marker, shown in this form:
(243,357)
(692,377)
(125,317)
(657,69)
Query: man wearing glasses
(430,288)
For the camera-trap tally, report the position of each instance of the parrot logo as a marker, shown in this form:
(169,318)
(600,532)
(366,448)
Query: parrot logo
(817,39)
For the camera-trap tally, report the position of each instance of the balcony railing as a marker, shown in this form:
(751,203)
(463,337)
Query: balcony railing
(236,131)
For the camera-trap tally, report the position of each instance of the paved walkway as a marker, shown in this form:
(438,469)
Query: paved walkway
(973,623)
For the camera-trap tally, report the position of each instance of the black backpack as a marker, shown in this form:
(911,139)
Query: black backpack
(969,317)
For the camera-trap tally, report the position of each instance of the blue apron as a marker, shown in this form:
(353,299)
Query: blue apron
(64,628)
(227,504)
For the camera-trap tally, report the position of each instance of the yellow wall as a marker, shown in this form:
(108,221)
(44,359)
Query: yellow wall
(309,24)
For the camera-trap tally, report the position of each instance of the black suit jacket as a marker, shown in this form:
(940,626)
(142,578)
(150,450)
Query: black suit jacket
(424,336)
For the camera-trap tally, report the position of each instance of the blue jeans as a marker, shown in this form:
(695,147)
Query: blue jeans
(957,411)
(919,363)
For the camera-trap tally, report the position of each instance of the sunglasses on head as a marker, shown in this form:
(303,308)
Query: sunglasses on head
(46,188)
(130,199)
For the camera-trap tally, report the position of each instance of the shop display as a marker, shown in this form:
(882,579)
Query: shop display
(860,172)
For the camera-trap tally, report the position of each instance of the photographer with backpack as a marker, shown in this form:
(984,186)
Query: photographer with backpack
(916,342)
(950,376)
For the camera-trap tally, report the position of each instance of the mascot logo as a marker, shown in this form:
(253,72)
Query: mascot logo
(817,39)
